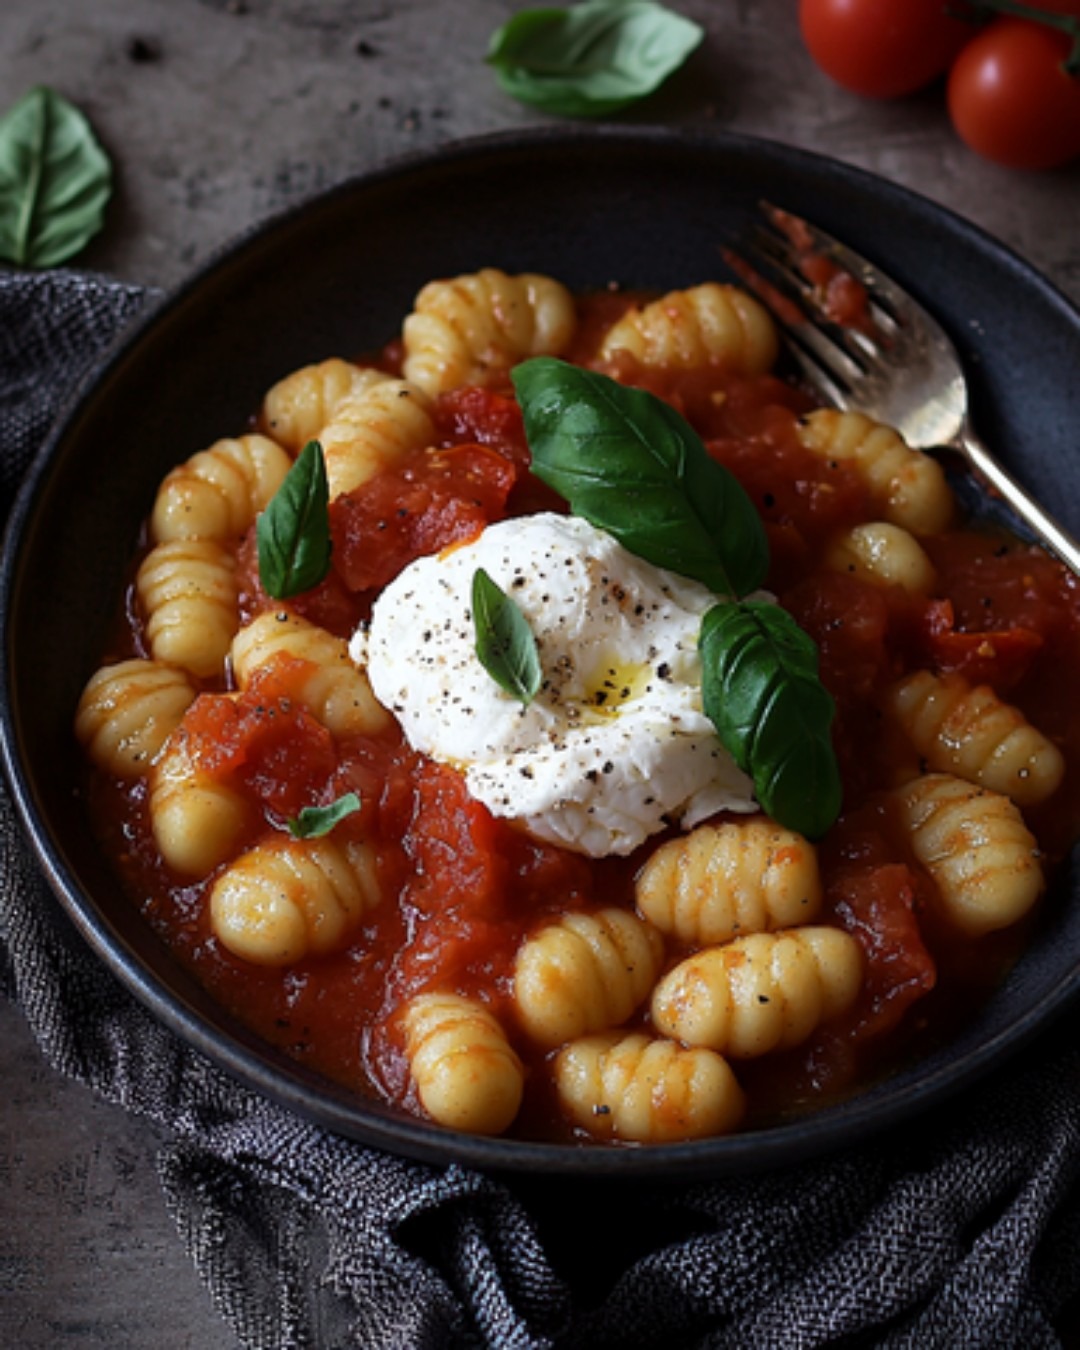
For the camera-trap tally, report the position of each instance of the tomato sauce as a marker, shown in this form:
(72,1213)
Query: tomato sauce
(461,889)
(827,289)
(839,296)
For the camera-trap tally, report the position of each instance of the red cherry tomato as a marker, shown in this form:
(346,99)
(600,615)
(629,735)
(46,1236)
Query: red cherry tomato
(882,48)
(1010,98)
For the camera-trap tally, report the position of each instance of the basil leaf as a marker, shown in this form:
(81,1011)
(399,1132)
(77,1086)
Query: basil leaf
(591,59)
(760,689)
(293,533)
(505,645)
(315,821)
(630,464)
(55,180)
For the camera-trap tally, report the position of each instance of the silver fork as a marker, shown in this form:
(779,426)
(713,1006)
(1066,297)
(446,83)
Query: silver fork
(899,367)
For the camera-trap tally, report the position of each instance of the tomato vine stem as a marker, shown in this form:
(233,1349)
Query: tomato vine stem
(1064,23)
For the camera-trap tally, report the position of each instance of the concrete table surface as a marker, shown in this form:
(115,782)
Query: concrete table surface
(218,113)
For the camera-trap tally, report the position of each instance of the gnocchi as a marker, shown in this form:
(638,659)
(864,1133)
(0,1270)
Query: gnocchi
(373,429)
(650,1091)
(760,993)
(334,690)
(883,554)
(218,492)
(689,329)
(128,711)
(471,329)
(974,843)
(585,973)
(197,820)
(968,731)
(907,487)
(722,880)
(285,899)
(298,407)
(467,1075)
(188,591)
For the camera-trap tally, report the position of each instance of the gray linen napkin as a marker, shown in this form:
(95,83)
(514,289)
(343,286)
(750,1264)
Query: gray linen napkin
(963,1231)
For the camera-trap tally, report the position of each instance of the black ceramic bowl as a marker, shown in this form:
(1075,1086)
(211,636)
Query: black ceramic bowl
(645,208)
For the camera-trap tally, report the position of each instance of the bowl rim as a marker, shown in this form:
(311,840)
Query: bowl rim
(872,1111)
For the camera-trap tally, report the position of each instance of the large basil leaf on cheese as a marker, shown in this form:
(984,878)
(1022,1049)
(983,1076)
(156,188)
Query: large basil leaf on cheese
(628,463)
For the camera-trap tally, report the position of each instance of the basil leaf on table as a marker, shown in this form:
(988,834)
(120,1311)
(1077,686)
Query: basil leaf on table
(505,645)
(315,821)
(590,59)
(293,533)
(760,689)
(628,463)
(55,180)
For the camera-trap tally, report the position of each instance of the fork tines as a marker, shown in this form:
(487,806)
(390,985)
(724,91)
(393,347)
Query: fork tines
(795,269)
(795,240)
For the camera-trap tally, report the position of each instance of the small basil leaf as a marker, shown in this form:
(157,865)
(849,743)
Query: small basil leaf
(315,821)
(631,465)
(760,689)
(590,59)
(293,533)
(505,645)
(55,180)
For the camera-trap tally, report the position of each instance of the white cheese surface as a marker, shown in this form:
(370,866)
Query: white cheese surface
(615,746)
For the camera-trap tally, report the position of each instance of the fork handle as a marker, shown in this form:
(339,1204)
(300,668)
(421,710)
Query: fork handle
(1053,536)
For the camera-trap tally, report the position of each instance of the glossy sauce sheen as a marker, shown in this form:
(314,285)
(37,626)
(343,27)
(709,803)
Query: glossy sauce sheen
(461,890)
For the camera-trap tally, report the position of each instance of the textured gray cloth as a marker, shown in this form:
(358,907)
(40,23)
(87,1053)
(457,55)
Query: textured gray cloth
(962,1231)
